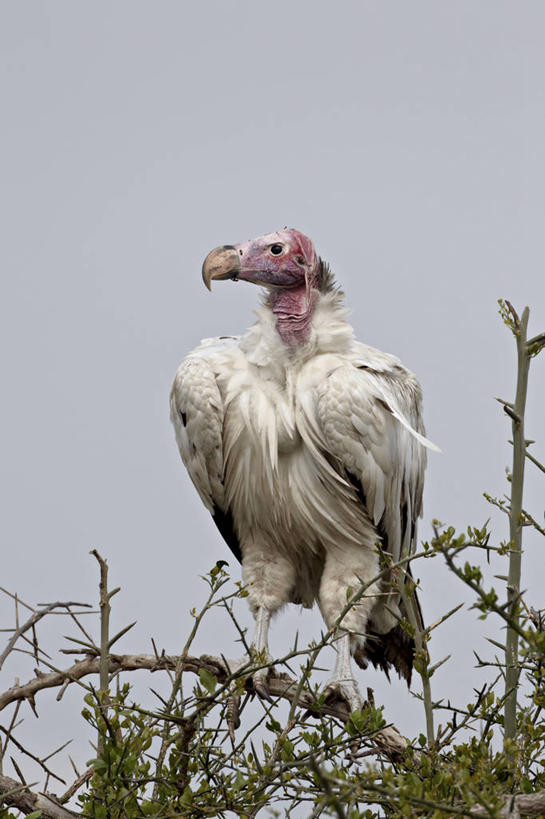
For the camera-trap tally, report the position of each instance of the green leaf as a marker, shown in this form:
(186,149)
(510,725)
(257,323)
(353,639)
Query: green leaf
(187,796)
(98,764)
(208,680)
(273,725)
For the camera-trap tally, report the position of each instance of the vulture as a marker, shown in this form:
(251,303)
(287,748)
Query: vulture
(307,447)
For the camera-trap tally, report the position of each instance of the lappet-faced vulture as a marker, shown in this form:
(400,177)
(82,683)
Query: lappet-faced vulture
(308,449)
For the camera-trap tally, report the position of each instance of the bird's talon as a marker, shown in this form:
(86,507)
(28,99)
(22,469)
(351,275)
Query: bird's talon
(260,683)
(259,679)
(346,690)
(233,714)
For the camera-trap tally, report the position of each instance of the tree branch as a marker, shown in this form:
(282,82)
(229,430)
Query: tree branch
(105,610)
(516,520)
(522,804)
(19,796)
(388,741)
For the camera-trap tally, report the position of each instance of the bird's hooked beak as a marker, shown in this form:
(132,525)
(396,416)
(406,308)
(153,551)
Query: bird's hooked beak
(221,263)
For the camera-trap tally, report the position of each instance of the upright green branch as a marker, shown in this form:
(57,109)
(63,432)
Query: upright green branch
(105,608)
(516,412)
(421,655)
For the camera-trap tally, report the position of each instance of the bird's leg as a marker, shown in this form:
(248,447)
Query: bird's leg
(261,633)
(260,649)
(344,573)
(258,653)
(269,579)
(343,684)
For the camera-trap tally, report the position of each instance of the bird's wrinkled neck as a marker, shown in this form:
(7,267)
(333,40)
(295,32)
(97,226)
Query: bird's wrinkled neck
(293,310)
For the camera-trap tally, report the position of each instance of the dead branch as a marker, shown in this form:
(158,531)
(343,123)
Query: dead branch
(389,741)
(19,796)
(522,804)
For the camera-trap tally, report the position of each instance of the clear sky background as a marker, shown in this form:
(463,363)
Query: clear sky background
(407,139)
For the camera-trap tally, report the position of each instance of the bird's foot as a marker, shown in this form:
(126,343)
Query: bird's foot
(259,678)
(259,655)
(345,689)
(233,712)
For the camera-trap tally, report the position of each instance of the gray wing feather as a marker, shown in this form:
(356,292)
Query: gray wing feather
(197,413)
(371,420)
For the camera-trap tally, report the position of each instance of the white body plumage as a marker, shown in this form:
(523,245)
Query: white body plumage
(312,456)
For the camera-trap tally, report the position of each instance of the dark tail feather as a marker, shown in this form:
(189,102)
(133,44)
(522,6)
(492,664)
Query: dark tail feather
(395,649)
(392,650)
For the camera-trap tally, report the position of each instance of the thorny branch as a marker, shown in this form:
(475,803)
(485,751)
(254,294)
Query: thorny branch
(105,609)
(13,794)
(526,349)
(281,686)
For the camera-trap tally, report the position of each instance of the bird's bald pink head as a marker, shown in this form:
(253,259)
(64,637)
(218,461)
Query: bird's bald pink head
(284,262)
(283,259)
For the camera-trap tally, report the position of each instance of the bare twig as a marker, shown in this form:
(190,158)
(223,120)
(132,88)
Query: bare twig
(17,599)
(536,344)
(76,785)
(531,457)
(23,750)
(31,622)
(528,520)
(12,725)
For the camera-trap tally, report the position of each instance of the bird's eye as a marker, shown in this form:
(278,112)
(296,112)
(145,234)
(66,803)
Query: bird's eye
(276,250)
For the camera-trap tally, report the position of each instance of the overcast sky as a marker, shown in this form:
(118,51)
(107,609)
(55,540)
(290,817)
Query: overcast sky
(406,139)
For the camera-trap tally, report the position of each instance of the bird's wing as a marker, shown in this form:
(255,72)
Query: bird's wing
(369,413)
(368,416)
(197,413)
